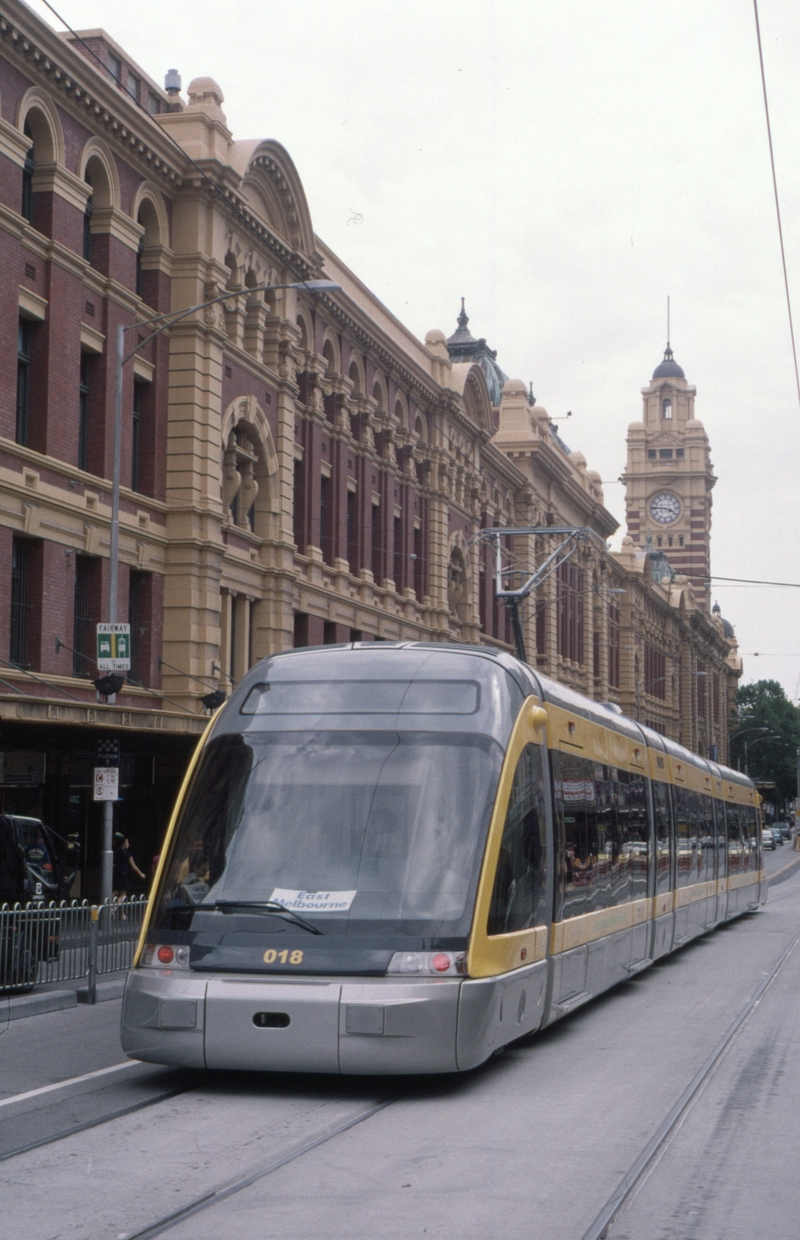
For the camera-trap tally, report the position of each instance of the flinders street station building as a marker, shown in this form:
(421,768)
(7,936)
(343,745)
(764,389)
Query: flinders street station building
(296,467)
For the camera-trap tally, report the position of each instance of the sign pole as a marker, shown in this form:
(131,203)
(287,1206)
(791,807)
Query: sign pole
(107,855)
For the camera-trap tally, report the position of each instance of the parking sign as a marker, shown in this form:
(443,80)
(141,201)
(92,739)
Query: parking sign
(106,783)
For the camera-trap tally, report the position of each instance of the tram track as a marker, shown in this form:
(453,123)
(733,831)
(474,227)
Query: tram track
(224,1192)
(86,1125)
(598,1229)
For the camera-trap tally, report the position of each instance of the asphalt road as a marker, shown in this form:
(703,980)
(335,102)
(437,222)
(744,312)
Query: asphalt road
(529,1147)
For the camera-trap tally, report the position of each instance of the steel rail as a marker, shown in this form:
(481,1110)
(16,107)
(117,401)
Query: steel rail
(598,1230)
(217,1195)
(94,1123)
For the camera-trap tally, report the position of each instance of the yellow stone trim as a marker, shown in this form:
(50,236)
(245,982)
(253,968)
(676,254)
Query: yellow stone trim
(32,306)
(500,953)
(663,903)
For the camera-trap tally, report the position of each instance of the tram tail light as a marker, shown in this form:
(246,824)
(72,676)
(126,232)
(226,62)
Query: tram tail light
(428,964)
(161,956)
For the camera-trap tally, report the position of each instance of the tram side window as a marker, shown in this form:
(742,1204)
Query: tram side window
(719,814)
(602,835)
(735,857)
(688,818)
(749,828)
(707,838)
(518,898)
(661,800)
(631,800)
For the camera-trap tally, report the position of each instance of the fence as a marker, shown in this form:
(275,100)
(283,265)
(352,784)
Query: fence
(64,942)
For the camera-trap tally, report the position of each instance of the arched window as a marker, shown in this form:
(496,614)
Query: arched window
(666,408)
(28,169)
(87,221)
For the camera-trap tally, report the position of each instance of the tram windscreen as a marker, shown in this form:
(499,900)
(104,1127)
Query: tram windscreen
(363,832)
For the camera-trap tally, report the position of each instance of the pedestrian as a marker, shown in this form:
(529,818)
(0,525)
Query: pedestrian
(124,868)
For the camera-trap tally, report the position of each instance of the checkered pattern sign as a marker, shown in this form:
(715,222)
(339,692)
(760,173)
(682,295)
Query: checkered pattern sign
(108,752)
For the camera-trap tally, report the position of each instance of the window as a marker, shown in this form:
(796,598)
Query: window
(298,512)
(680,540)
(83,412)
(613,645)
(680,453)
(326,520)
(419,575)
(661,805)
(134,86)
(82,618)
(352,531)
(87,225)
(139,253)
(115,67)
(137,613)
(651,454)
(28,169)
(518,898)
(655,668)
(377,539)
(665,454)
(20,601)
(666,408)
(399,558)
(569,604)
(602,834)
(329,633)
(153,103)
(23,380)
(136,435)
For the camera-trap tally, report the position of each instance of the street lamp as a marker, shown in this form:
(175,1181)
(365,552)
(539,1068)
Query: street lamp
(166,320)
(768,737)
(736,735)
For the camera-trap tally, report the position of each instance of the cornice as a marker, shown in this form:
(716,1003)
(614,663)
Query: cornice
(67,75)
(364,332)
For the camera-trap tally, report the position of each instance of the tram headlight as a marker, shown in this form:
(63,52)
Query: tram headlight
(164,956)
(428,964)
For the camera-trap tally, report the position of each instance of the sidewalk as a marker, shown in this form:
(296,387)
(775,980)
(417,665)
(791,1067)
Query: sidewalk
(57,996)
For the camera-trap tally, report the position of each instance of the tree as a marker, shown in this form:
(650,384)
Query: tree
(765,705)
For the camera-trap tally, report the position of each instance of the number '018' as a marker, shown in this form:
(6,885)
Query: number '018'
(285,957)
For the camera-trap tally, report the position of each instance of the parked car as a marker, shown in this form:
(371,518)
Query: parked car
(768,839)
(784,829)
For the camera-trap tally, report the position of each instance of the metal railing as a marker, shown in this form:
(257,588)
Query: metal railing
(41,944)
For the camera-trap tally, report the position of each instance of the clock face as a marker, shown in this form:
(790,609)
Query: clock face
(665,508)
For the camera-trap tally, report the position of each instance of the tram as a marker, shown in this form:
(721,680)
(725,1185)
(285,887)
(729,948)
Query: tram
(400,857)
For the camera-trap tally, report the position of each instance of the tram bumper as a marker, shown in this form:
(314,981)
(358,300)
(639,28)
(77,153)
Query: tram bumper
(318,1024)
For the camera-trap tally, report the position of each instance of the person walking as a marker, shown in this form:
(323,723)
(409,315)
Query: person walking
(124,868)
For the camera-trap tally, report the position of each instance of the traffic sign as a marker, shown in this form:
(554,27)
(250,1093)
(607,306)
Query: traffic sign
(106,783)
(113,647)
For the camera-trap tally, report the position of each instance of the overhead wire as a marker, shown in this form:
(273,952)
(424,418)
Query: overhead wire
(777,201)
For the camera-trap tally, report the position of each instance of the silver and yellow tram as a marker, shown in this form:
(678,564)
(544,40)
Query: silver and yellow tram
(399,858)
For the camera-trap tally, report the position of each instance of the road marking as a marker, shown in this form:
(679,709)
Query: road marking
(788,865)
(72,1080)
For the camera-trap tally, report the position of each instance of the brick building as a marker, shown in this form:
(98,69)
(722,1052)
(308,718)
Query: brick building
(297,467)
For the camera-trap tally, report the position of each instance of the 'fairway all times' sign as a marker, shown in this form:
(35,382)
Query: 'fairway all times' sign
(113,647)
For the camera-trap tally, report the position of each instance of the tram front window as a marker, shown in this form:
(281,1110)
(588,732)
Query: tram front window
(361,832)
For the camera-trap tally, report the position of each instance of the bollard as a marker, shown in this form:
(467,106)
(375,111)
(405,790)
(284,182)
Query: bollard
(91,990)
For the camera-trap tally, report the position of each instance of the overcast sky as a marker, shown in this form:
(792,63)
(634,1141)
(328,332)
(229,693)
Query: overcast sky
(564,166)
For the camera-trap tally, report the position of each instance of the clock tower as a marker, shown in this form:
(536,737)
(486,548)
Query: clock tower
(668,477)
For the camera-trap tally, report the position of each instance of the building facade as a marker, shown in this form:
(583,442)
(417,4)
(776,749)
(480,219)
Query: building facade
(297,468)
